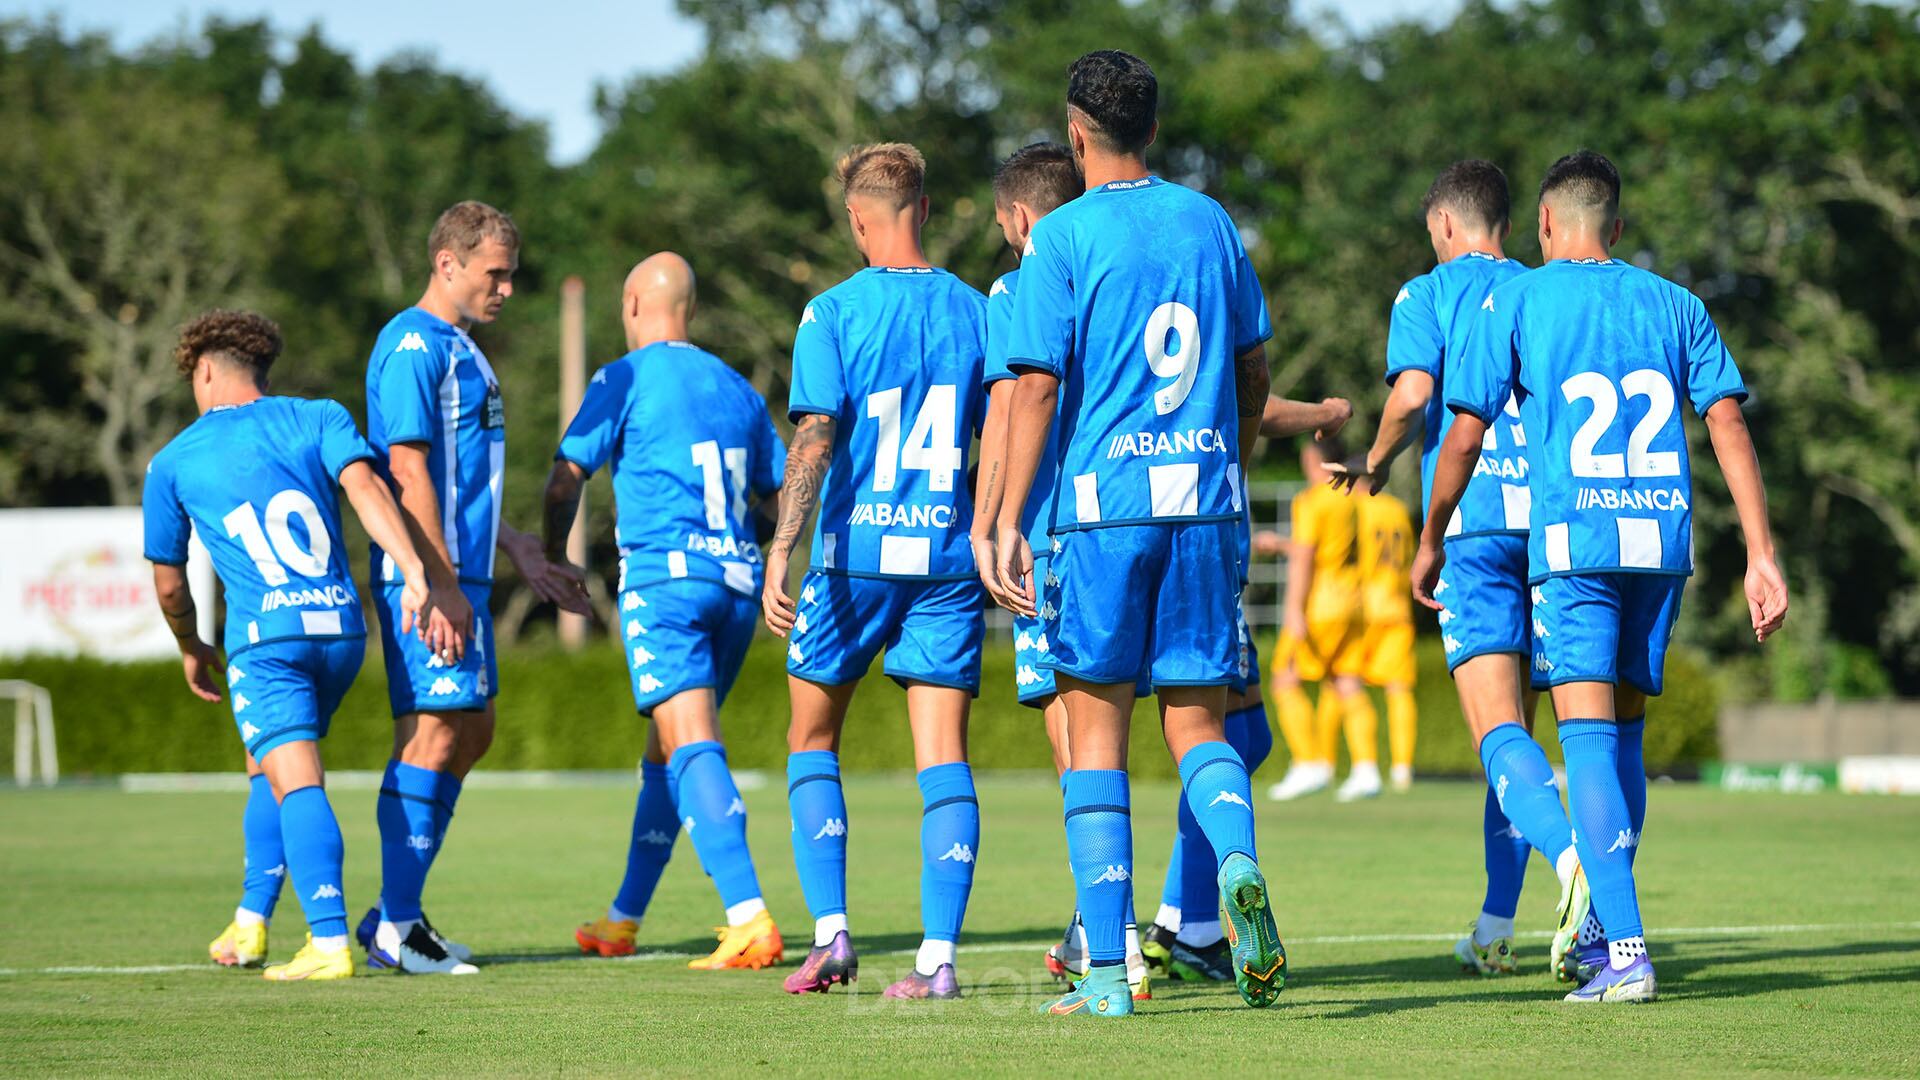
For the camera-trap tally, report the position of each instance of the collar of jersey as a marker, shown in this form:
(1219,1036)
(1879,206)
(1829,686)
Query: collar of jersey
(442,324)
(1589,262)
(236,405)
(1481,255)
(1147,181)
(907,269)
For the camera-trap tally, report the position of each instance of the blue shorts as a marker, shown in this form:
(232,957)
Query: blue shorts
(286,691)
(1160,599)
(1247,652)
(1033,680)
(419,681)
(1484,599)
(931,630)
(1608,627)
(682,635)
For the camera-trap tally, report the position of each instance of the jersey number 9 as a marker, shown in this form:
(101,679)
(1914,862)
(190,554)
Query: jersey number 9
(1177,321)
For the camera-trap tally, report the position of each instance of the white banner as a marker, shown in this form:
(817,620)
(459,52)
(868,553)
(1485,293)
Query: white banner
(76,582)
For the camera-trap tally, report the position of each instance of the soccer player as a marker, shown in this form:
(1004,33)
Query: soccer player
(438,427)
(1320,640)
(690,442)
(885,398)
(255,476)
(1386,611)
(1140,323)
(1597,352)
(1486,614)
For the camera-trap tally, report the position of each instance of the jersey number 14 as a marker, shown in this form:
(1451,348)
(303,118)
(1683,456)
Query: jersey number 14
(933,443)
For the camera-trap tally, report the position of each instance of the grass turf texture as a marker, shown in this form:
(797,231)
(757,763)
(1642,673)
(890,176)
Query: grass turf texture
(96,877)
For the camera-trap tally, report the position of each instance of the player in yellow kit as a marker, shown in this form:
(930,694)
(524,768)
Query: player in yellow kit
(1386,542)
(1321,637)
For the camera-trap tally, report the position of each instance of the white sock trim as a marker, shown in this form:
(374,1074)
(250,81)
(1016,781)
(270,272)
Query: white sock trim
(825,927)
(1624,952)
(248,918)
(1168,918)
(1200,932)
(614,914)
(331,943)
(1565,865)
(932,954)
(1487,928)
(745,911)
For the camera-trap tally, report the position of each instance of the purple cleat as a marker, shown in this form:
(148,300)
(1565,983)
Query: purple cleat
(1584,962)
(824,966)
(939,986)
(1629,985)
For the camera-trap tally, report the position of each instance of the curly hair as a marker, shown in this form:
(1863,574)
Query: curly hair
(241,338)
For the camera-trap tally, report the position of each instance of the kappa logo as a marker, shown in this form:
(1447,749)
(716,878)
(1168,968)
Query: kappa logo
(1028,250)
(1023,642)
(655,837)
(443,687)
(641,657)
(1445,615)
(1048,612)
(999,286)
(1511,832)
(412,342)
(1451,643)
(600,377)
(278,871)
(248,731)
(687,824)
(1540,629)
(1403,296)
(834,827)
(635,628)
(1487,304)
(1500,791)
(1112,874)
(806,595)
(1626,841)
(648,684)
(808,316)
(794,653)
(737,807)
(800,623)
(420,842)
(1539,597)
(632,601)
(1026,676)
(1442,587)
(1541,663)
(435,662)
(1040,644)
(234,675)
(240,703)
(326,892)
(958,853)
(1053,582)
(1229,797)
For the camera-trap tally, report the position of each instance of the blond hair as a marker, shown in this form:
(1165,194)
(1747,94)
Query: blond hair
(464,226)
(895,172)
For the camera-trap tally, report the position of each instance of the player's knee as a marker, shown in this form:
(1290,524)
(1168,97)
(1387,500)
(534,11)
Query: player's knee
(431,743)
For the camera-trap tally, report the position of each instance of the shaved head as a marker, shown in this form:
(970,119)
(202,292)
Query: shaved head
(658,299)
(1583,187)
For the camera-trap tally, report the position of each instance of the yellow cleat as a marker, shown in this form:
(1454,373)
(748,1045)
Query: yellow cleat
(313,963)
(240,946)
(607,937)
(755,945)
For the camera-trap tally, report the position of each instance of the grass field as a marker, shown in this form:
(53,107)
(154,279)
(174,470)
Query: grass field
(1785,931)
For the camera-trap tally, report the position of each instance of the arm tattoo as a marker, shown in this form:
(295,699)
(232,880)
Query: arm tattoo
(1252,381)
(807,460)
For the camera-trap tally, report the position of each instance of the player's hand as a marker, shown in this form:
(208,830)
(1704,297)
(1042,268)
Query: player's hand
(1348,474)
(1339,411)
(447,623)
(199,662)
(1268,545)
(1014,565)
(558,583)
(775,605)
(1766,596)
(1294,625)
(984,561)
(1426,573)
(414,598)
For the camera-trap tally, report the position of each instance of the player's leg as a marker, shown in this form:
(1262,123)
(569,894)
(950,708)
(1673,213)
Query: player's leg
(1362,724)
(1299,729)
(244,942)
(1391,667)
(1099,839)
(656,825)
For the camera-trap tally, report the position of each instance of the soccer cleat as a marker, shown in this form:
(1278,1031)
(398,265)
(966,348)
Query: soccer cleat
(366,933)
(1139,978)
(1493,958)
(240,945)
(753,944)
(1067,961)
(1584,962)
(453,948)
(1302,778)
(313,964)
(1259,959)
(1359,784)
(1201,963)
(607,937)
(1576,902)
(1630,985)
(1103,993)
(417,952)
(939,986)
(824,966)
(1156,948)
(1401,778)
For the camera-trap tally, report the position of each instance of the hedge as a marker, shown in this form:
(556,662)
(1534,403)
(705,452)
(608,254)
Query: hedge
(564,710)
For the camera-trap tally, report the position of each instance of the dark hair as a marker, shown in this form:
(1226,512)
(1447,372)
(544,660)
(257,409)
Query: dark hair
(464,226)
(1042,175)
(236,337)
(1586,179)
(1118,95)
(1474,189)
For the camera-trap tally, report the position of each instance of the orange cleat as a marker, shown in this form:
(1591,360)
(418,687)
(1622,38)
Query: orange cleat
(607,937)
(755,944)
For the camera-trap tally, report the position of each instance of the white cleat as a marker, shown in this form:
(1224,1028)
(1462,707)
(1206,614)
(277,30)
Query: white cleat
(453,948)
(1302,778)
(418,951)
(1362,783)
(1402,779)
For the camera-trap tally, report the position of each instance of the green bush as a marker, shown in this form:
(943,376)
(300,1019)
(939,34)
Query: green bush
(562,710)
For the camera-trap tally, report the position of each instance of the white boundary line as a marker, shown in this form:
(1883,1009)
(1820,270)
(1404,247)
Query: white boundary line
(1771,930)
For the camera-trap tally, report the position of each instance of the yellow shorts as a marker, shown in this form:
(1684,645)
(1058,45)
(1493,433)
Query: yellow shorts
(1331,648)
(1387,652)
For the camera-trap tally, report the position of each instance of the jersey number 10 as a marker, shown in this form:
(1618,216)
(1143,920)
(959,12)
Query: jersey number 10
(273,561)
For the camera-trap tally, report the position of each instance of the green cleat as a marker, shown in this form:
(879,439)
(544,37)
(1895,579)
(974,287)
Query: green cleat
(1575,904)
(1493,958)
(1201,963)
(1156,948)
(1259,959)
(1103,993)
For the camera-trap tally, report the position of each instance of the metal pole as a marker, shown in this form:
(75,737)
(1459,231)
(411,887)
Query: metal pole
(573,385)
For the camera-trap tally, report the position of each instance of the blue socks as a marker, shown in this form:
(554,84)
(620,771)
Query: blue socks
(1100,848)
(1522,784)
(314,853)
(819,810)
(1221,798)
(949,842)
(266,858)
(715,818)
(1192,870)
(1250,735)
(446,792)
(1507,851)
(1633,776)
(1603,830)
(410,817)
(656,822)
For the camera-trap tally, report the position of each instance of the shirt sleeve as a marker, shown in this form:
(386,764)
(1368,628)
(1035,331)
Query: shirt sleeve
(770,457)
(999,326)
(341,443)
(1414,341)
(408,388)
(595,428)
(1711,373)
(1041,335)
(166,526)
(1484,379)
(1251,326)
(819,376)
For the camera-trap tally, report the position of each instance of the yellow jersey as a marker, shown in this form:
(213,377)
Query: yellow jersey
(1386,558)
(1324,518)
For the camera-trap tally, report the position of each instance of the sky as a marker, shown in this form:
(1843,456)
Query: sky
(542,65)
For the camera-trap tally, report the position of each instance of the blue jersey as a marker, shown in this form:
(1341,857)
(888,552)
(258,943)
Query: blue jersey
(689,438)
(1139,296)
(1598,353)
(259,483)
(427,382)
(895,356)
(1431,316)
(1033,521)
